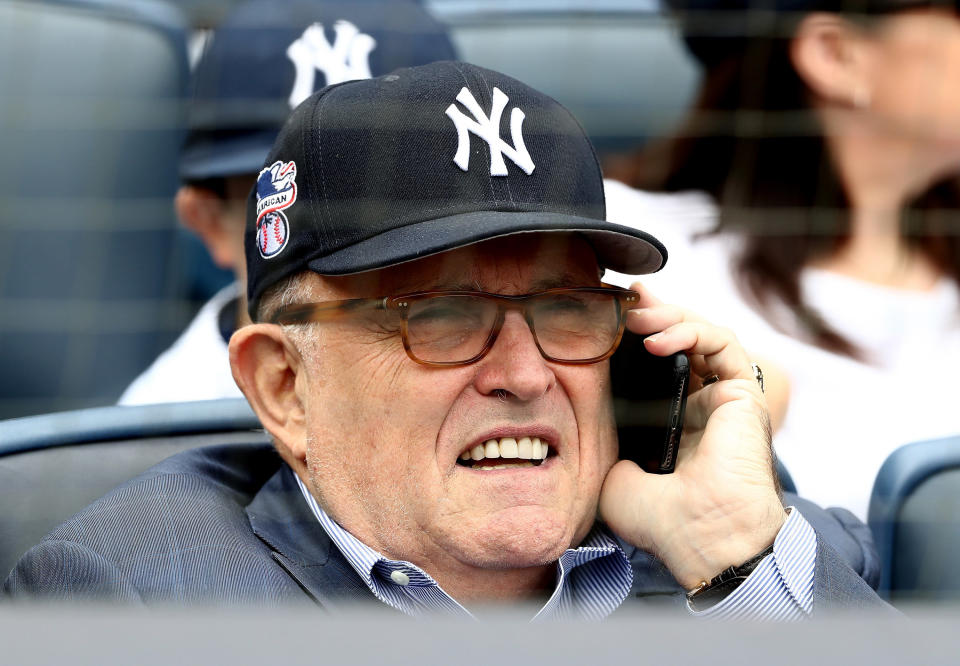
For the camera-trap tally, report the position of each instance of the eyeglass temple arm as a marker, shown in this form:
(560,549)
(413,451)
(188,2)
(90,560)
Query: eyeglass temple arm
(326,311)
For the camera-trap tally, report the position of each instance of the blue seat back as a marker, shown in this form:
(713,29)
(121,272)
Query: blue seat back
(52,466)
(915,517)
(91,121)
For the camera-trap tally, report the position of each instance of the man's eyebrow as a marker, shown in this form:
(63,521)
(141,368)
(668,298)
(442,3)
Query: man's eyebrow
(564,280)
(553,282)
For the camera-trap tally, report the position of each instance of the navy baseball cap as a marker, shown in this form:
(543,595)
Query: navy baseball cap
(369,174)
(269,55)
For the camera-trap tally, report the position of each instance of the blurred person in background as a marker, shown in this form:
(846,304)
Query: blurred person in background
(263,60)
(814,202)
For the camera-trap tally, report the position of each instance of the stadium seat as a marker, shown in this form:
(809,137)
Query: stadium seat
(915,517)
(53,465)
(91,272)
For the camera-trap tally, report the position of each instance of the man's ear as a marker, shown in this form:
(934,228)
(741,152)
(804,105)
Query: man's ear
(204,213)
(832,55)
(266,366)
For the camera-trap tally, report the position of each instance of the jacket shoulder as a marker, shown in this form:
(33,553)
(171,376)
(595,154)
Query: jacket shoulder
(178,532)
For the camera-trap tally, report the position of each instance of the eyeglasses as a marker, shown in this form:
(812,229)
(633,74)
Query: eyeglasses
(575,326)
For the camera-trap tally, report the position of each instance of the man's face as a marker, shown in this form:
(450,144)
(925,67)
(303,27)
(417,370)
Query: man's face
(385,434)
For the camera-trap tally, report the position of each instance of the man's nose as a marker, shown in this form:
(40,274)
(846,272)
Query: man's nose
(514,363)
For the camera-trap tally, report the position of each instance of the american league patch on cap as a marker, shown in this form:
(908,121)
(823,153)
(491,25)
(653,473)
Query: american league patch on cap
(276,190)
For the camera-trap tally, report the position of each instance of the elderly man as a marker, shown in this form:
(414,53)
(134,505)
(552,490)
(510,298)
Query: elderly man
(431,357)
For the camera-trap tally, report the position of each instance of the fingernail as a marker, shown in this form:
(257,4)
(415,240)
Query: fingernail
(651,338)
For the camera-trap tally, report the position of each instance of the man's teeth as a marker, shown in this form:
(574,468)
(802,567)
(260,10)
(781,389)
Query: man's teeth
(527,448)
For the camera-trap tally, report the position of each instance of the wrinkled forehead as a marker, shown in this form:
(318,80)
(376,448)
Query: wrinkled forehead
(518,263)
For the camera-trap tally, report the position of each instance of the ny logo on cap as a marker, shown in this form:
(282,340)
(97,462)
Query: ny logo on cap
(345,60)
(488,129)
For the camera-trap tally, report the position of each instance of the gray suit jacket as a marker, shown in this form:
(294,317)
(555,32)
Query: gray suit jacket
(228,524)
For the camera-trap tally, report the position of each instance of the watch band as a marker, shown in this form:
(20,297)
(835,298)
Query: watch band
(706,595)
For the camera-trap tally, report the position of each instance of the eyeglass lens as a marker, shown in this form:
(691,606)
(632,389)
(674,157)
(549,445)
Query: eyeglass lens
(569,326)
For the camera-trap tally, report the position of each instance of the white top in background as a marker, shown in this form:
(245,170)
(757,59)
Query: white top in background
(195,367)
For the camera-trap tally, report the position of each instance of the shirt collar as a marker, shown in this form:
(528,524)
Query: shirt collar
(592,579)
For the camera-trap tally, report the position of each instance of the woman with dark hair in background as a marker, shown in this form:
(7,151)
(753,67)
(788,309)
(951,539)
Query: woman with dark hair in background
(818,209)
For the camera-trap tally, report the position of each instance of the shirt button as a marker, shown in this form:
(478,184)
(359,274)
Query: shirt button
(399,578)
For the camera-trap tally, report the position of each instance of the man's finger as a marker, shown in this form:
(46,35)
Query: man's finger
(645,321)
(721,352)
(703,403)
(698,366)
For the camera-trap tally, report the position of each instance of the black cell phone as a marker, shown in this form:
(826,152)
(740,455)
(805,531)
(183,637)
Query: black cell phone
(649,398)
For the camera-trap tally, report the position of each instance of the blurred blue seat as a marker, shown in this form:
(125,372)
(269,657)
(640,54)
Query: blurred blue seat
(53,465)
(91,266)
(915,517)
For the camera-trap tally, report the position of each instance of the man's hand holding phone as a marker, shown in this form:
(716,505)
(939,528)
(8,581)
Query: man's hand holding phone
(721,506)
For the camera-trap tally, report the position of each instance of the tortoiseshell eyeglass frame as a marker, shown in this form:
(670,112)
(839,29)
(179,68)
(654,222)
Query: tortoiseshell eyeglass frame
(326,311)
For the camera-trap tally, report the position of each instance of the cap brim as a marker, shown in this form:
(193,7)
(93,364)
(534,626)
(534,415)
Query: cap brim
(224,157)
(618,247)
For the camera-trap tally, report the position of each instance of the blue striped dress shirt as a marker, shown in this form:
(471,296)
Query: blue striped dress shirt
(595,578)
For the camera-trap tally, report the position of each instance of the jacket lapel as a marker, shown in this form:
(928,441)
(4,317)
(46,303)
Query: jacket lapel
(279,515)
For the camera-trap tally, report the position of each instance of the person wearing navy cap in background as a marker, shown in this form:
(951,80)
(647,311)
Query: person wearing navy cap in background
(263,60)
(431,356)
